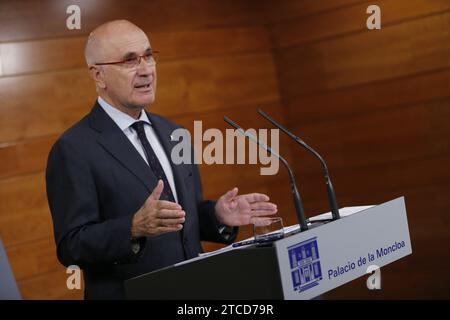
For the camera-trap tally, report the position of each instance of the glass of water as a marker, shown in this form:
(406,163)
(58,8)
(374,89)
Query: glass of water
(268,230)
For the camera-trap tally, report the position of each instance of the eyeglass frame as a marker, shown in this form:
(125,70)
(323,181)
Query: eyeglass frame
(153,53)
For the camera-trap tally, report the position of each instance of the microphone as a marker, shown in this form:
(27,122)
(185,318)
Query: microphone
(296,195)
(330,190)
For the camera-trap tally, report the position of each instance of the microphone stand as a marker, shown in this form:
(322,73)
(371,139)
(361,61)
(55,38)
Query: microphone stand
(330,191)
(295,194)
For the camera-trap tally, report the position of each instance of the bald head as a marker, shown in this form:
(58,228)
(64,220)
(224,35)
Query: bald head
(107,38)
(127,86)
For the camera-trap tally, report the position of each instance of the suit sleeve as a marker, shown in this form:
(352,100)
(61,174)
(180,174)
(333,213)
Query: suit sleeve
(82,237)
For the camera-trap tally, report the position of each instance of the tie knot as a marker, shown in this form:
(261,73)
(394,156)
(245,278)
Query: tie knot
(138,126)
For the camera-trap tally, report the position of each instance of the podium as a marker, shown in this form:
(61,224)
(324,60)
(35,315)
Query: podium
(302,265)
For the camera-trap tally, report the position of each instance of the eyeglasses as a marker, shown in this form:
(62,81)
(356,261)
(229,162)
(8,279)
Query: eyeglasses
(150,58)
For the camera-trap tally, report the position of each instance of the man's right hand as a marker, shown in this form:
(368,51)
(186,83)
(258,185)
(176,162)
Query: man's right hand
(156,216)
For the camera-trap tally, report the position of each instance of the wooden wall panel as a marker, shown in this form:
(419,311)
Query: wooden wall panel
(25,156)
(186,86)
(24,196)
(211,83)
(27,19)
(49,286)
(367,98)
(32,258)
(375,104)
(30,155)
(286,10)
(363,183)
(366,56)
(346,19)
(46,55)
(376,138)
(24,211)
(215,60)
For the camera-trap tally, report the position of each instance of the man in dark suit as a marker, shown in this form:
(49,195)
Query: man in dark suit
(120,206)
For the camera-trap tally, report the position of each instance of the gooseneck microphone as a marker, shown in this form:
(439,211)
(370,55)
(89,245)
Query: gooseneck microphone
(330,190)
(296,195)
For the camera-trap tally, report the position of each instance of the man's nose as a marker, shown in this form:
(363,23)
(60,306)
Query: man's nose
(144,68)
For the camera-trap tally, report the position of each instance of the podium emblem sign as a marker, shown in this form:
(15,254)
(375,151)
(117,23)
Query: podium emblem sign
(323,258)
(305,264)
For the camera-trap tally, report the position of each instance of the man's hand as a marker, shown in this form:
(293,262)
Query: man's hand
(157,216)
(237,210)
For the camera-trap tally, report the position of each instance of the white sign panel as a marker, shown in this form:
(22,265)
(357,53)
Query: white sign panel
(326,257)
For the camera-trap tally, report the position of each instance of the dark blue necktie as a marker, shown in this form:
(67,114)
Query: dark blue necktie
(153,161)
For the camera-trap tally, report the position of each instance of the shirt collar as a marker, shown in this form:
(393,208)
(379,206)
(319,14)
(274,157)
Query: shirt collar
(122,119)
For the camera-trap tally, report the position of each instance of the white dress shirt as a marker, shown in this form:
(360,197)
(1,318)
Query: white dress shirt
(124,122)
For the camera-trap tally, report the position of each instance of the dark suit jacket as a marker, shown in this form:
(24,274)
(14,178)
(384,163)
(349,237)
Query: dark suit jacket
(96,181)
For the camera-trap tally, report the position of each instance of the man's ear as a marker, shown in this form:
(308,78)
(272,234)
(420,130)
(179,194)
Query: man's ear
(98,76)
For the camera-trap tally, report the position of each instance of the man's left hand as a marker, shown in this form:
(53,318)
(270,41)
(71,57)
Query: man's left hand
(237,210)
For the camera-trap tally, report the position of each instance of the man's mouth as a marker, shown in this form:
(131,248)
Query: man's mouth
(143,87)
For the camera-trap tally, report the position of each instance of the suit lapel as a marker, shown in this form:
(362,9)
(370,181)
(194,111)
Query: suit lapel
(117,144)
(179,171)
(114,141)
